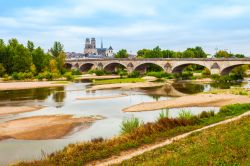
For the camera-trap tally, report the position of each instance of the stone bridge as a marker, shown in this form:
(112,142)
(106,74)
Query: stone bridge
(221,66)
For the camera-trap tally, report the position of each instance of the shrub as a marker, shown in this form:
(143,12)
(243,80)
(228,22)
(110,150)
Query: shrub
(122,73)
(2,70)
(97,72)
(134,74)
(186,75)
(159,74)
(206,114)
(22,76)
(76,72)
(185,114)
(129,125)
(68,76)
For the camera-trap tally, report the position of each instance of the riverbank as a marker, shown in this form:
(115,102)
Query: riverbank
(30,85)
(225,144)
(199,100)
(89,76)
(43,127)
(125,86)
(12,110)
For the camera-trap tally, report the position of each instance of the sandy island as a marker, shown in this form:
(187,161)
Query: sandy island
(28,85)
(199,100)
(101,97)
(43,127)
(12,110)
(89,76)
(125,86)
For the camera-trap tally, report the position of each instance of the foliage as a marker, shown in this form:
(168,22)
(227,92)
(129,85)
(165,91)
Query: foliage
(22,76)
(68,76)
(129,125)
(185,114)
(122,54)
(76,72)
(161,74)
(163,114)
(57,49)
(121,80)
(134,74)
(97,72)
(2,70)
(122,73)
(234,109)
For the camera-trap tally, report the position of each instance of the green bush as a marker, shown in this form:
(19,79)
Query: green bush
(122,73)
(76,72)
(22,76)
(185,114)
(129,125)
(97,72)
(48,76)
(68,76)
(134,74)
(159,74)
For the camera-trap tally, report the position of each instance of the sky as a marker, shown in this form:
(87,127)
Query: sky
(129,24)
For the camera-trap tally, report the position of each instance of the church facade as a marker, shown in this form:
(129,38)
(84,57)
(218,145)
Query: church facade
(91,50)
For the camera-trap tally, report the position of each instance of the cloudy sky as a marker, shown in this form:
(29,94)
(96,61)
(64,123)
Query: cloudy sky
(130,24)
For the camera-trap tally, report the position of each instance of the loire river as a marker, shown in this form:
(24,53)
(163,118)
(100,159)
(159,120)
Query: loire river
(62,100)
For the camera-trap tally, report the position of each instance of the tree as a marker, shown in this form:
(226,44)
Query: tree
(40,59)
(60,61)
(239,56)
(223,54)
(53,66)
(122,54)
(22,59)
(167,54)
(2,70)
(57,49)
(30,46)
(142,53)
(189,53)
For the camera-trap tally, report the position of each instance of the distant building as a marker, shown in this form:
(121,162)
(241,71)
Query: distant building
(91,51)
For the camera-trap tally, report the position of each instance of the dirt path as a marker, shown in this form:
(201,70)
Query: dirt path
(28,85)
(199,100)
(130,154)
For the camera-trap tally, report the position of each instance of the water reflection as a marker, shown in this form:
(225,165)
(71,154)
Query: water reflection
(188,88)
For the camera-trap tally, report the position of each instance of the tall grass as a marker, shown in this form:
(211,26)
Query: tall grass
(185,114)
(129,125)
(163,114)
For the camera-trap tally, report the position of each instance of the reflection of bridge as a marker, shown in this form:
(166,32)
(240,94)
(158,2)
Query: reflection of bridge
(171,65)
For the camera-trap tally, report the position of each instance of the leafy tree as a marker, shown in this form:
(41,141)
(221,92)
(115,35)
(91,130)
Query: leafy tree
(223,54)
(57,49)
(40,59)
(141,53)
(122,54)
(168,54)
(60,61)
(22,59)
(239,56)
(189,53)
(155,53)
(53,66)
(2,70)
(30,46)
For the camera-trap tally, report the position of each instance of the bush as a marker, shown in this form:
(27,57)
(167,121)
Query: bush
(48,76)
(159,74)
(2,70)
(68,76)
(122,73)
(22,76)
(76,72)
(97,72)
(129,125)
(134,74)
(186,75)
(206,114)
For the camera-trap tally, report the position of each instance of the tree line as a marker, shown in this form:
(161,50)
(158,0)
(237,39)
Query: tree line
(28,60)
(196,52)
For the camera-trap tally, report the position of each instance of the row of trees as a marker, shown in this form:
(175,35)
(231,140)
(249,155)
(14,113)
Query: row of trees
(196,52)
(16,57)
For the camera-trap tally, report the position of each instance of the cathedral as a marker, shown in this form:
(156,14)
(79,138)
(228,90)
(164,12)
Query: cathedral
(91,50)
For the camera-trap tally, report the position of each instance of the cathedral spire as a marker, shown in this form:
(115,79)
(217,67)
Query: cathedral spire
(101,44)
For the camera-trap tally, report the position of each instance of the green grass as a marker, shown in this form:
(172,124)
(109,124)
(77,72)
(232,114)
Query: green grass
(185,114)
(129,125)
(227,144)
(116,81)
(60,82)
(163,128)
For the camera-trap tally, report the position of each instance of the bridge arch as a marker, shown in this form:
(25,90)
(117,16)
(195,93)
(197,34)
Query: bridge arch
(144,67)
(114,66)
(180,67)
(86,67)
(228,69)
(68,66)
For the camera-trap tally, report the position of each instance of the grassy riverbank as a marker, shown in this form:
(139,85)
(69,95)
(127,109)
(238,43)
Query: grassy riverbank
(227,144)
(163,128)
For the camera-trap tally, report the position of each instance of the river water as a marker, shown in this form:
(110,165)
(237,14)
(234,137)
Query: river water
(62,100)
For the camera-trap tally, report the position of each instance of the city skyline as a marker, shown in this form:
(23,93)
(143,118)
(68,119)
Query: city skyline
(132,25)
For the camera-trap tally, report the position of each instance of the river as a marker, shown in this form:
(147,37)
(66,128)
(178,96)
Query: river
(62,100)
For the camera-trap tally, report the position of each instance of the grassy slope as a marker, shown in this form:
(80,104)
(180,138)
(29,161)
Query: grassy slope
(227,144)
(122,80)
